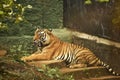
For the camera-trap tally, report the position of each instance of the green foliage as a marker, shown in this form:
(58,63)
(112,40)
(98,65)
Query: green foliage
(43,13)
(46,13)
(11,12)
(90,1)
(3,28)
(17,45)
(103,0)
(54,74)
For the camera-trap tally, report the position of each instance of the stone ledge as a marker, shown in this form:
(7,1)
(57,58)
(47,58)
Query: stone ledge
(108,54)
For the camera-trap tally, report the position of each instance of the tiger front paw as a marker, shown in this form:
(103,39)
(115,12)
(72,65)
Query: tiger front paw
(24,59)
(71,67)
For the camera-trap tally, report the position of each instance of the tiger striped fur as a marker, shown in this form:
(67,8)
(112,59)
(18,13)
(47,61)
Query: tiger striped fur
(53,48)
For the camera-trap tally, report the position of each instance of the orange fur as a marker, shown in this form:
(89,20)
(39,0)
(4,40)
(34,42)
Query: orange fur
(53,47)
(47,51)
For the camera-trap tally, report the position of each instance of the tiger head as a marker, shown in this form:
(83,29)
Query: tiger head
(42,37)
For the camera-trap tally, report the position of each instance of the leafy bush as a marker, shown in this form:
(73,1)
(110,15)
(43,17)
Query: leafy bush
(44,13)
(11,12)
(53,74)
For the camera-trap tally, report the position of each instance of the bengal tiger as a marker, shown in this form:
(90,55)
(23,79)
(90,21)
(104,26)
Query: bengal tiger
(51,47)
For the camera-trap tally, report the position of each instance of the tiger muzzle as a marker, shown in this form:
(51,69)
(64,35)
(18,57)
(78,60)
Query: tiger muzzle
(37,43)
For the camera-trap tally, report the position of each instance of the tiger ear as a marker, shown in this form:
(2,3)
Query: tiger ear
(50,30)
(37,27)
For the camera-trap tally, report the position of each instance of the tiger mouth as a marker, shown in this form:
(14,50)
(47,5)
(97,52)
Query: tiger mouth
(39,44)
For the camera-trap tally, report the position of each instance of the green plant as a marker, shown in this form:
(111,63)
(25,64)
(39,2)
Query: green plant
(53,73)
(100,1)
(10,10)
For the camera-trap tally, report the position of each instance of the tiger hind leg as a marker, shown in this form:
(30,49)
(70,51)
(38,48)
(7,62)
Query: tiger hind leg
(78,66)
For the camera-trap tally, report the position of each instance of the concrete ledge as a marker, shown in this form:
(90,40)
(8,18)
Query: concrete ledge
(96,39)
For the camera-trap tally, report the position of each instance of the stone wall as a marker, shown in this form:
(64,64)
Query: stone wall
(100,19)
(108,54)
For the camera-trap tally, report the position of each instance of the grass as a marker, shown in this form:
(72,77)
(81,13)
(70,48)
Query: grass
(63,34)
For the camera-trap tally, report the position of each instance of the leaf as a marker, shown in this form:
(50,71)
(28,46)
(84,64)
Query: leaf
(40,70)
(88,2)
(29,6)
(1,12)
(103,0)
(115,21)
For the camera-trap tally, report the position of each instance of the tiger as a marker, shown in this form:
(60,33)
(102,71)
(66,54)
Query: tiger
(52,48)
